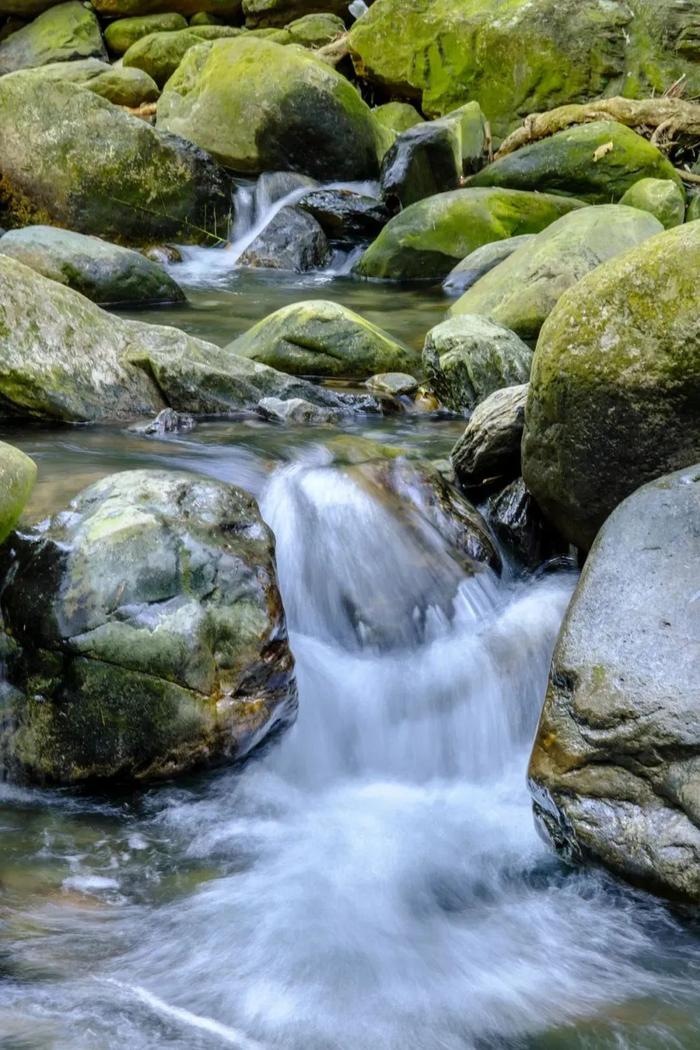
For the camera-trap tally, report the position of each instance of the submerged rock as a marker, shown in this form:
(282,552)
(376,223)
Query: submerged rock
(481,261)
(615,384)
(523,290)
(615,771)
(96,169)
(64,32)
(468,357)
(596,162)
(663,198)
(323,338)
(488,453)
(292,240)
(257,105)
(427,239)
(48,369)
(105,273)
(17,476)
(148,632)
(168,421)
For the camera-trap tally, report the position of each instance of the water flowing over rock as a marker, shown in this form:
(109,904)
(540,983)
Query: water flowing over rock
(615,384)
(427,239)
(148,630)
(103,272)
(615,770)
(99,170)
(256,105)
(292,240)
(523,290)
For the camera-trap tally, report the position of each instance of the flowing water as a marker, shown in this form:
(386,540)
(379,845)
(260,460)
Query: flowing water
(371,880)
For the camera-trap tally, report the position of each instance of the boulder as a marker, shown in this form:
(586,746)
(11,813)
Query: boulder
(148,635)
(17,10)
(96,169)
(104,272)
(123,87)
(662,198)
(519,524)
(596,162)
(345,216)
(488,453)
(431,157)
(17,476)
(467,358)
(160,54)
(425,241)
(481,261)
(322,338)
(523,290)
(615,770)
(296,410)
(396,384)
(121,34)
(62,33)
(517,57)
(315,30)
(48,340)
(292,240)
(693,212)
(615,384)
(397,116)
(229,10)
(267,13)
(256,105)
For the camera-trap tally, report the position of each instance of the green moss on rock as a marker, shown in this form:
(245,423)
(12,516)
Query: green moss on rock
(122,33)
(17,476)
(65,32)
(663,198)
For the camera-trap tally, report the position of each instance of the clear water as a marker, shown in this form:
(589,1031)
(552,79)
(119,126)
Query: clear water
(372,879)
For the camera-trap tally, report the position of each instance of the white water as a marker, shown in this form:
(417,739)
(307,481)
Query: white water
(379,883)
(254,210)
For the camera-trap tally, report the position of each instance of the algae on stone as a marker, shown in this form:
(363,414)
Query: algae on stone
(61,34)
(663,198)
(17,476)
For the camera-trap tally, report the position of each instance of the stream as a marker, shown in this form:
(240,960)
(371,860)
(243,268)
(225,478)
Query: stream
(372,879)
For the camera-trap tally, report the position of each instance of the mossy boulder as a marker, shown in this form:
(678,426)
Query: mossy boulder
(48,367)
(269,13)
(256,106)
(397,116)
(229,10)
(596,162)
(17,476)
(517,57)
(615,770)
(315,30)
(615,384)
(427,239)
(24,9)
(122,33)
(323,338)
(104,272)
(123,87)
(481,261)
(65,32)
(663,198)
(96,169)
(467,358)
(523,290)
(693,212)
(160,54)
(148,635)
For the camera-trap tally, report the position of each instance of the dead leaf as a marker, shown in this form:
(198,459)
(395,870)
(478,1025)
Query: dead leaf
(603,151)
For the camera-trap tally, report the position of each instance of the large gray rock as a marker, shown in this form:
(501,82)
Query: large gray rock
(62,33)
(96,169)
(148,635)
(482,261)
(615,383)
(522,292)
(615,771)
(105,273)
(292,240)
(323,338)
(49,369)
(488,453)
(466,358)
